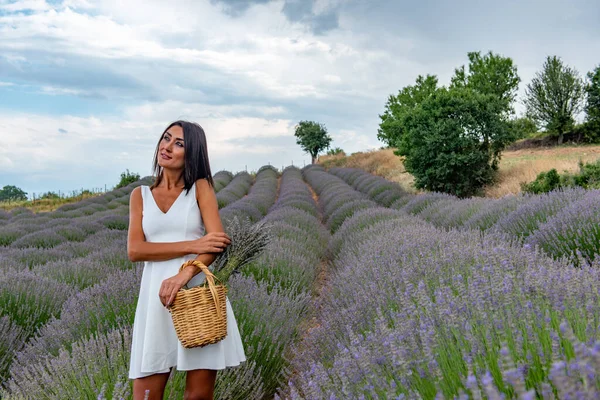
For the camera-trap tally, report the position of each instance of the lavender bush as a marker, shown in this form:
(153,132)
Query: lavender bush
(98,308)
(44,239)
(573,232)
(76,374)
(30,299)
(493,210)
(12,338)
(222,179)
(528,216)
(432,310)
(238,187)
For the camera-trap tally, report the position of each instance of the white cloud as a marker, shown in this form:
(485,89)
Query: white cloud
(247,79)
(33,5)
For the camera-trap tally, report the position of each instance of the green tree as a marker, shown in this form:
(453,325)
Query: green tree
(554,96)
(127,178)
(592,107)
(397,107)
(489,74)
(453,141)
(12,193)
(522,127)
(312,137)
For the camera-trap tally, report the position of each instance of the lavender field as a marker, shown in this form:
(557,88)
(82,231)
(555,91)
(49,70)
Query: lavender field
(365,292)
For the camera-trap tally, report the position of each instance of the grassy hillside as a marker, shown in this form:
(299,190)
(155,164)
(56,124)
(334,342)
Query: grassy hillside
(515,167)
(45,205)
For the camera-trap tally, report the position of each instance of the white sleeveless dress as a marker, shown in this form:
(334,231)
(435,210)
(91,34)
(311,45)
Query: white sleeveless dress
(155,346)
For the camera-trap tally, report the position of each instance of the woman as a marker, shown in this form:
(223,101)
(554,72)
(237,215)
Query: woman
(167,228)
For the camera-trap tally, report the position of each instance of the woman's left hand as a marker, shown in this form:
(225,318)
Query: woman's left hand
(170,287)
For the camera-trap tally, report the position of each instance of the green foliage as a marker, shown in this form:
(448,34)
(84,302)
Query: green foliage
(544,183)
(312,137)
(554,96)
(335,151)
(588,177)
(127,178)
(397,107)
(453,141)
(49,195)
(489,74)
(12,193)
(522,127)
(592,107)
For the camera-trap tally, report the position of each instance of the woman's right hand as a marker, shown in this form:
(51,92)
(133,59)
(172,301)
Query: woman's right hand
(212,242)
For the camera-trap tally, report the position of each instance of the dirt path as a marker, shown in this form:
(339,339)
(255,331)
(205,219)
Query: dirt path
(312,320)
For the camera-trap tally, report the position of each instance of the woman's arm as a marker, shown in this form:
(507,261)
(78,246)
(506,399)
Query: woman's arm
(209,211)
(138,249)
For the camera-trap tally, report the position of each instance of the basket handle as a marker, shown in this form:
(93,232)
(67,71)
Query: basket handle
(210,277)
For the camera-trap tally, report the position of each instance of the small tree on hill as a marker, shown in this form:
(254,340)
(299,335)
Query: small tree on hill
(127,178)
(554,96)
(453,141)
(312,137)
(12,193)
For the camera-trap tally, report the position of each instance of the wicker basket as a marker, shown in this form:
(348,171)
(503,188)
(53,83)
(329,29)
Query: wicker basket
(199,314)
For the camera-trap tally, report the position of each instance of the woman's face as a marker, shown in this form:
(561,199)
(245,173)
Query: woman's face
(171,149)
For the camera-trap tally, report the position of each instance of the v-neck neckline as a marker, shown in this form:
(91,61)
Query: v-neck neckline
(156,204)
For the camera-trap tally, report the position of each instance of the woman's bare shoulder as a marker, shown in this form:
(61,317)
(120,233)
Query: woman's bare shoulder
(202,186)
(136,193)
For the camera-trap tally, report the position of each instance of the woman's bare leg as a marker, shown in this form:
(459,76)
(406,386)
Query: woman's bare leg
(200,384)
(155,383)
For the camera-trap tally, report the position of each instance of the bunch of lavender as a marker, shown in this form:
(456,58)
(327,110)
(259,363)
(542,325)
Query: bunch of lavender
(248,240)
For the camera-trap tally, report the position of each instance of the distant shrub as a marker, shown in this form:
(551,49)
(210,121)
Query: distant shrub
(588,177)
(127,178)
(336,151)
(544,183)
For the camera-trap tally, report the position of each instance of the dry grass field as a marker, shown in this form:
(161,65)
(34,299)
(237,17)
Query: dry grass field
(515,166)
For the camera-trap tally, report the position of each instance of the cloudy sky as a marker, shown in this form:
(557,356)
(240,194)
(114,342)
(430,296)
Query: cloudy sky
(87,87)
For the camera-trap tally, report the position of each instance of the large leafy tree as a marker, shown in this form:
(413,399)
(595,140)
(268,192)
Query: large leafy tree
(491,74)
(12,193)
(555,96)
(398,106)
(453,140)
(592,107)
(312,137)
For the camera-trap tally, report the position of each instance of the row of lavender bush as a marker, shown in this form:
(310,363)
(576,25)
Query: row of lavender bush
(415,311)
(54,295)
(235,190)
(38,276)
(222,179)
(564,223)
(100,317)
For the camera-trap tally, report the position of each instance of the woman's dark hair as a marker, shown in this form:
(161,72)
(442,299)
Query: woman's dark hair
(196,164)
